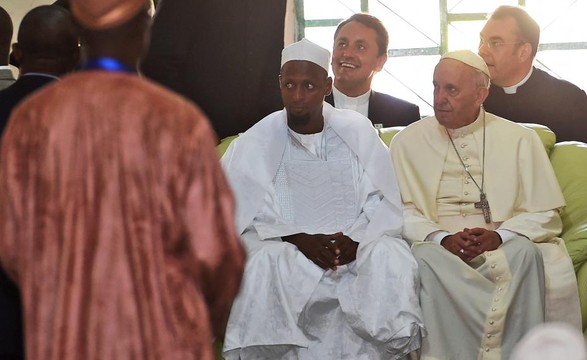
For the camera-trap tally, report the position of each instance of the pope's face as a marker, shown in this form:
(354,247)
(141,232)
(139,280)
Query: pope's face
(457,96)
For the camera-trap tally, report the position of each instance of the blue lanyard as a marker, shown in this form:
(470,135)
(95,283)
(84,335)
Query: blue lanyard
(106,63)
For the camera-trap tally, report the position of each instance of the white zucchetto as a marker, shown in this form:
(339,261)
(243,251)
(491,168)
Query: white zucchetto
(468,57)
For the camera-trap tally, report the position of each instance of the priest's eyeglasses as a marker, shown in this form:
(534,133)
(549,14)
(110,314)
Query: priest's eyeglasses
(496,44)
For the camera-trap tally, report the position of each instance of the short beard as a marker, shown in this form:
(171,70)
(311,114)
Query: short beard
(298,119)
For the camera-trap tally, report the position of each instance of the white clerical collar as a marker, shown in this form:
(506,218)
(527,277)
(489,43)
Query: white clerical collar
(358,103)
(468,129)
(514,88)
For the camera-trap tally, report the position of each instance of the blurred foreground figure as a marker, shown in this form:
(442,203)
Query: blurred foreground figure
(116,220)
(553,340)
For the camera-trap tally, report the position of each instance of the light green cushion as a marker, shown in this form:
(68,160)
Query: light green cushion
(582,283)
(545,134)
(569,160)
(221,148)
(386,134)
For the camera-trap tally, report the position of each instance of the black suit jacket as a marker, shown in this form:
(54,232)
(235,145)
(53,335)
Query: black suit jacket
(388,110)
(15,93)
(224,55)
(546,100)
(11,330)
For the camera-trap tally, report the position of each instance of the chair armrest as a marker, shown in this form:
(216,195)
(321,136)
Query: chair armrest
(569,160)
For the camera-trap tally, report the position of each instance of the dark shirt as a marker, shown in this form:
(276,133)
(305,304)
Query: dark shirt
(15,93)
(545,100)
(224,55)
(11,330)
(388,110)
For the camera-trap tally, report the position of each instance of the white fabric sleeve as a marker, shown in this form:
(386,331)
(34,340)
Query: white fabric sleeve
(370,198)
(416,226)
(506,235)
(536,226)
(437,236)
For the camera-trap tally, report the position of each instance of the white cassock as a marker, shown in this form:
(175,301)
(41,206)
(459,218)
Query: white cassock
(485,306)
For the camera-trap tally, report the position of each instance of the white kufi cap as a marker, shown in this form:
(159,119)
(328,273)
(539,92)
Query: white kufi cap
(468,57)
(308,51)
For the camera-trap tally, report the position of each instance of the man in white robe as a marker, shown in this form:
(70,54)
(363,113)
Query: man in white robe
(480,192)
(328,275)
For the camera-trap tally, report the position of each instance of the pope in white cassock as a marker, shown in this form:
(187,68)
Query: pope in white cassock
(481,204)
(328,275)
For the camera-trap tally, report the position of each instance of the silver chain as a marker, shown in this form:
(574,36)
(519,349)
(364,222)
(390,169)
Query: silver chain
(463,163)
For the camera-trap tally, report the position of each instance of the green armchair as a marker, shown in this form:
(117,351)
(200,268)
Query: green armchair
(569,160)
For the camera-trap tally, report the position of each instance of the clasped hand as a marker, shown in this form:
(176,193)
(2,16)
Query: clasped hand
(469,243)
(326,250)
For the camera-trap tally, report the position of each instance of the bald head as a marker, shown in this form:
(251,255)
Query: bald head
(47,41)
(5,36)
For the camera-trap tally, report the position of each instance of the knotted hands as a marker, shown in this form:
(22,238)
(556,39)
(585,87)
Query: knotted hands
(469,243)
(326,250)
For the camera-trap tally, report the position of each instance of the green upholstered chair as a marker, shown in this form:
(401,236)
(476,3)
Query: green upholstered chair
(569,160)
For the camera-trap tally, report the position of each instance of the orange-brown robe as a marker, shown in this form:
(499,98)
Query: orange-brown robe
(116,222)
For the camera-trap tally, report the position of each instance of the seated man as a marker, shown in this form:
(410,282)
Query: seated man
(481,193)
(328,275)
(360,51)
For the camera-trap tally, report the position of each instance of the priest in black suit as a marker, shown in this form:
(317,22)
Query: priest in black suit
(360,51)
(521,92)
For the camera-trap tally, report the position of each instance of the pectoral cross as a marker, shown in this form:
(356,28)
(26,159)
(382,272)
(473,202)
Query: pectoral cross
(483,204)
